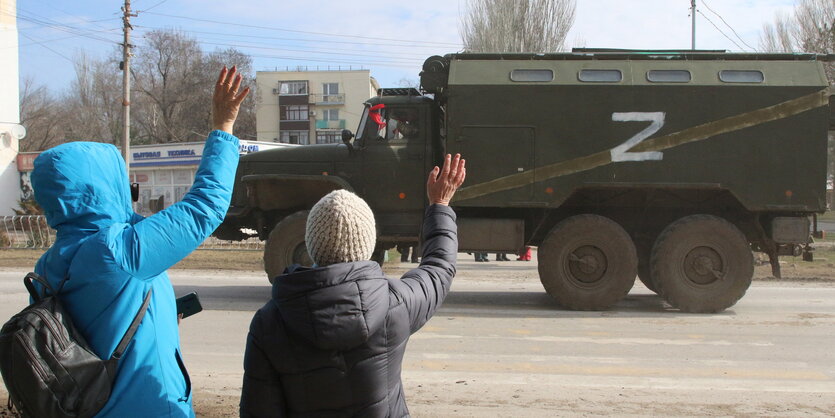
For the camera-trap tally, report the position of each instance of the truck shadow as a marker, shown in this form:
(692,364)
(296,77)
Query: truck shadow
(458,303)
(540,305)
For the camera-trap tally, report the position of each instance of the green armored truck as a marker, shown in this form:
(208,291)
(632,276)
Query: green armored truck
(671,166)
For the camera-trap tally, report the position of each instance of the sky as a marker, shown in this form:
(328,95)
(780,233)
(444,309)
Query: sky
(390,38)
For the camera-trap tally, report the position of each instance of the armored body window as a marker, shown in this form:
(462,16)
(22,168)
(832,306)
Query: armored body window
(532,75)
(601,76)
(668,76)
(741,76)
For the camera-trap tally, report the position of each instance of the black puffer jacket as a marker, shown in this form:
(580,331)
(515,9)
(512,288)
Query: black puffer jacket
(331,341)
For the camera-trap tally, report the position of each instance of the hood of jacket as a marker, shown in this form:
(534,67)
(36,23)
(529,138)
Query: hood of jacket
(336,307)
(82,186)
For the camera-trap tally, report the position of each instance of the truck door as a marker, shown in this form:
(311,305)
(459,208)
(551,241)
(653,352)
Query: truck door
(493,152)
(394,170)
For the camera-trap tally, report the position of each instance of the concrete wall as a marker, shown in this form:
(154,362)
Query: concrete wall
(9,108)
(357,86)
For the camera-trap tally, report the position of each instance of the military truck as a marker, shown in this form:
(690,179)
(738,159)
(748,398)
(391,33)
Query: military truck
(671,166)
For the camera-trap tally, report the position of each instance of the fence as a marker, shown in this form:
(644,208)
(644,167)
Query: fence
(32,232)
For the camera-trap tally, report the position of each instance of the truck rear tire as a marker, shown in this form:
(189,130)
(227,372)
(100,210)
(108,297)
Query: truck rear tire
(587,262)
(702,264)
(285,245)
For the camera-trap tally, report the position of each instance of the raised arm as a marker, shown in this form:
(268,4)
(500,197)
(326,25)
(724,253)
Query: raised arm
(156,243)
(424,288)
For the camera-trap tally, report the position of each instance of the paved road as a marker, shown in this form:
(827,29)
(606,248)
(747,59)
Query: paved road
(501,347)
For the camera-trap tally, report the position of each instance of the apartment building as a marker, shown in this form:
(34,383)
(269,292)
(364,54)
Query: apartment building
(310,107)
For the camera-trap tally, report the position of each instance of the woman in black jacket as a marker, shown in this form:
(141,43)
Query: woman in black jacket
(331,340)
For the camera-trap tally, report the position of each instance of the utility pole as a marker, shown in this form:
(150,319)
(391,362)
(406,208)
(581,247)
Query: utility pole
(693,23)
(126,84)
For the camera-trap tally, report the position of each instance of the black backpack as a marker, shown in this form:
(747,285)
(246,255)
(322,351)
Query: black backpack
(48,367)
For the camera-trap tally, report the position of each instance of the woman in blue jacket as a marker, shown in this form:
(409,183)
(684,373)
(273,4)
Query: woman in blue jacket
(112,256)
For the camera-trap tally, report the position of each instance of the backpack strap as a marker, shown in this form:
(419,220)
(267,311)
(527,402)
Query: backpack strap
(123,344)
(27,281)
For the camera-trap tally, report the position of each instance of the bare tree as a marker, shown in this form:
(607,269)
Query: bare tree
(174,79)
(95,98)
(42,115)
(167,72)
(516,25)
(810,29)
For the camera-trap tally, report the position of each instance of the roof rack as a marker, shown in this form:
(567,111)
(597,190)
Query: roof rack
(398,91)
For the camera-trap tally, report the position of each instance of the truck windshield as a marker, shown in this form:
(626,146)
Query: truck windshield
(363,122)
(369,127)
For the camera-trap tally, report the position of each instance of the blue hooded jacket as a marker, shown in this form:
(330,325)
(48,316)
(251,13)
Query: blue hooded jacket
(112,256)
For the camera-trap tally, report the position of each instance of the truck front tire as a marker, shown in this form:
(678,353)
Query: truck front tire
(587,262)
(285,245)
(702,264)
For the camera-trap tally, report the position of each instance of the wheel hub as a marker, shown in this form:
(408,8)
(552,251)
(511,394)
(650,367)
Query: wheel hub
(704,265)
(587,264)
(301,256)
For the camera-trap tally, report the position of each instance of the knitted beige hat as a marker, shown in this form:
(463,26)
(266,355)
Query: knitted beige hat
(340,228)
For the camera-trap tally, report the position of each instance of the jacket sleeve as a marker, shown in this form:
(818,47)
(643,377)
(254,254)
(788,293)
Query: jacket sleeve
(424,288)
(261,395)
(159,241)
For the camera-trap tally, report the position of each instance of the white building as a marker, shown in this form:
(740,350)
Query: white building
(310,107)
(11,132)
(164,172)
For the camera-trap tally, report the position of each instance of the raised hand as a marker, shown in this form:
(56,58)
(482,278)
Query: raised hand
(443,182)
(227,100)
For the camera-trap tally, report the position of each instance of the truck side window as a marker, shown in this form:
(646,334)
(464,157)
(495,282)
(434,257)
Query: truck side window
(532,75)
(741,76)
(668,76)
(601,76)
(402,124)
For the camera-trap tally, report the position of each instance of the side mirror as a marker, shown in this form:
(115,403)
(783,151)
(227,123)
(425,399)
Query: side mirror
(347,135)
(346,139)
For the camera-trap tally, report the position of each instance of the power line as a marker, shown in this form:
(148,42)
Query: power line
(163,1)
(54,51)
(331,51)
(56,39)
(76,17)
(346,62)
(720,30)
(728,25)
(62,27)
(298,31)
(300,39)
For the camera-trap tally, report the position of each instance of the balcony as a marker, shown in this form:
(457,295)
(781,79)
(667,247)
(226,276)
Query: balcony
(330,124)
(327,99)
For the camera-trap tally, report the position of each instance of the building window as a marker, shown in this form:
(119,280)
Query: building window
(288,88)
(328,137)
(601,76)
(330,88)
(330,114)
(294,137)
(297,112)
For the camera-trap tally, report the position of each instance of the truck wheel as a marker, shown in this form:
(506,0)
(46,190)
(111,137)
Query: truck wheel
(643,248)
(702,263)
(587,262)
(285,246)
